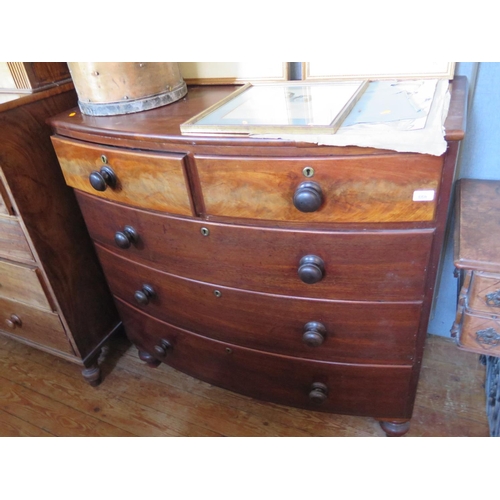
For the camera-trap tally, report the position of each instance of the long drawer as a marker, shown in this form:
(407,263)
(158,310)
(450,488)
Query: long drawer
(149,180)
(43,327)
(13,243)
(22,283)
(316,329)
(372,390)
(375,188)
(364,265)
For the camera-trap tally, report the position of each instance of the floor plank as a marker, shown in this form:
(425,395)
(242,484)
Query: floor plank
(41,395)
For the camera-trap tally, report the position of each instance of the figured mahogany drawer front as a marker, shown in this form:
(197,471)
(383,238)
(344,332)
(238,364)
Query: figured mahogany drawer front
(22,283)
(318,329)
(380,390)
(149,180)
(13,243)
(356,265)
(484,293)
(43,327)
(378,188)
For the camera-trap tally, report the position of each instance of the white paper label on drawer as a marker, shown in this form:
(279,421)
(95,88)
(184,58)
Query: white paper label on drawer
(424,195)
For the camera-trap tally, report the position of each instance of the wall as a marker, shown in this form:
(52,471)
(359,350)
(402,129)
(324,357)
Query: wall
(479,158)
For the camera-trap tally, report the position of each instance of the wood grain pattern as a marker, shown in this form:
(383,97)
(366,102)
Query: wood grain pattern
(13,243)
(147,180)
(362,265)
(450,400)
(22,283)
(356,331)
(280,379)
(42,327)
(355,189)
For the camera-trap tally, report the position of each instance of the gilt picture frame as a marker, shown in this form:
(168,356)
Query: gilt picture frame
(292,107)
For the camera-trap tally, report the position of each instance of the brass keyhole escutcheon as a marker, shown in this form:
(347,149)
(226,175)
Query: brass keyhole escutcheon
(104,158)
(308,171)
(217,293)
(205,231)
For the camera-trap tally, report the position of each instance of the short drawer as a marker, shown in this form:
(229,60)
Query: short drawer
(143,179)
(13,243)
(35,325)
(479,333)
(364,265)
(366,189)
(23,284)
(316,329)
(484,293)
(372,390)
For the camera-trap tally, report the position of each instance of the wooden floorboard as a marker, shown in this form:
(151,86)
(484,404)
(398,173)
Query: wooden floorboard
(41,395)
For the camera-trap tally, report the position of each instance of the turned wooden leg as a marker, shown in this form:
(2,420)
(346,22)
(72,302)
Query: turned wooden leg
(150,360)
(395,428)
(92,374)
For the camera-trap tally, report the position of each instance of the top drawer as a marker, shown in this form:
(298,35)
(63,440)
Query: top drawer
(143,179)
(378,188)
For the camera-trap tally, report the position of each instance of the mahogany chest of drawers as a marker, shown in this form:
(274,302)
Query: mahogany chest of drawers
(290,272)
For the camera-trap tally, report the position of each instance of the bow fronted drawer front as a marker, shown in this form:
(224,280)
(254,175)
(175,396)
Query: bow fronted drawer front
(359,189)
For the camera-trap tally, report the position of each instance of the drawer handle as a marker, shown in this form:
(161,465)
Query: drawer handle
(311,269)
(493,299)
(14,321)
(144,295)
(163,348)
(488,338)
(318,393)
(102,179)
(314,334)
(308,197)
(125,238)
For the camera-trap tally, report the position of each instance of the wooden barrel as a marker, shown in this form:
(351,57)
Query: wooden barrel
(116,88)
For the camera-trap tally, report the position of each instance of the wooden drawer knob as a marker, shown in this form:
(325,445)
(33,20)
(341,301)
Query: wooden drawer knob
(311,269)
(308,197)
(319,393)
(13,322)
(314,334)
(144,295)
(163,348)
(125,238)
(102,179)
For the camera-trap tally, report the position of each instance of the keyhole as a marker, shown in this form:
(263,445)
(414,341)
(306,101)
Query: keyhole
(308,171)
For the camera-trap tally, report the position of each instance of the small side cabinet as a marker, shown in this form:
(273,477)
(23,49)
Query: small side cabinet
(53,295)
(477,257)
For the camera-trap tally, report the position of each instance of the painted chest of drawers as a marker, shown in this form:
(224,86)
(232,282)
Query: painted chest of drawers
(53,294)
(285,271)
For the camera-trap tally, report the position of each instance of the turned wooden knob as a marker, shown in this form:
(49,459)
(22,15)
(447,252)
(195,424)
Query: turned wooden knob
(144,295)
(311,269)
(163,348)
(102,179)
(314,334)
(13,321)
(308,197)
(125,238)
(319,392)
